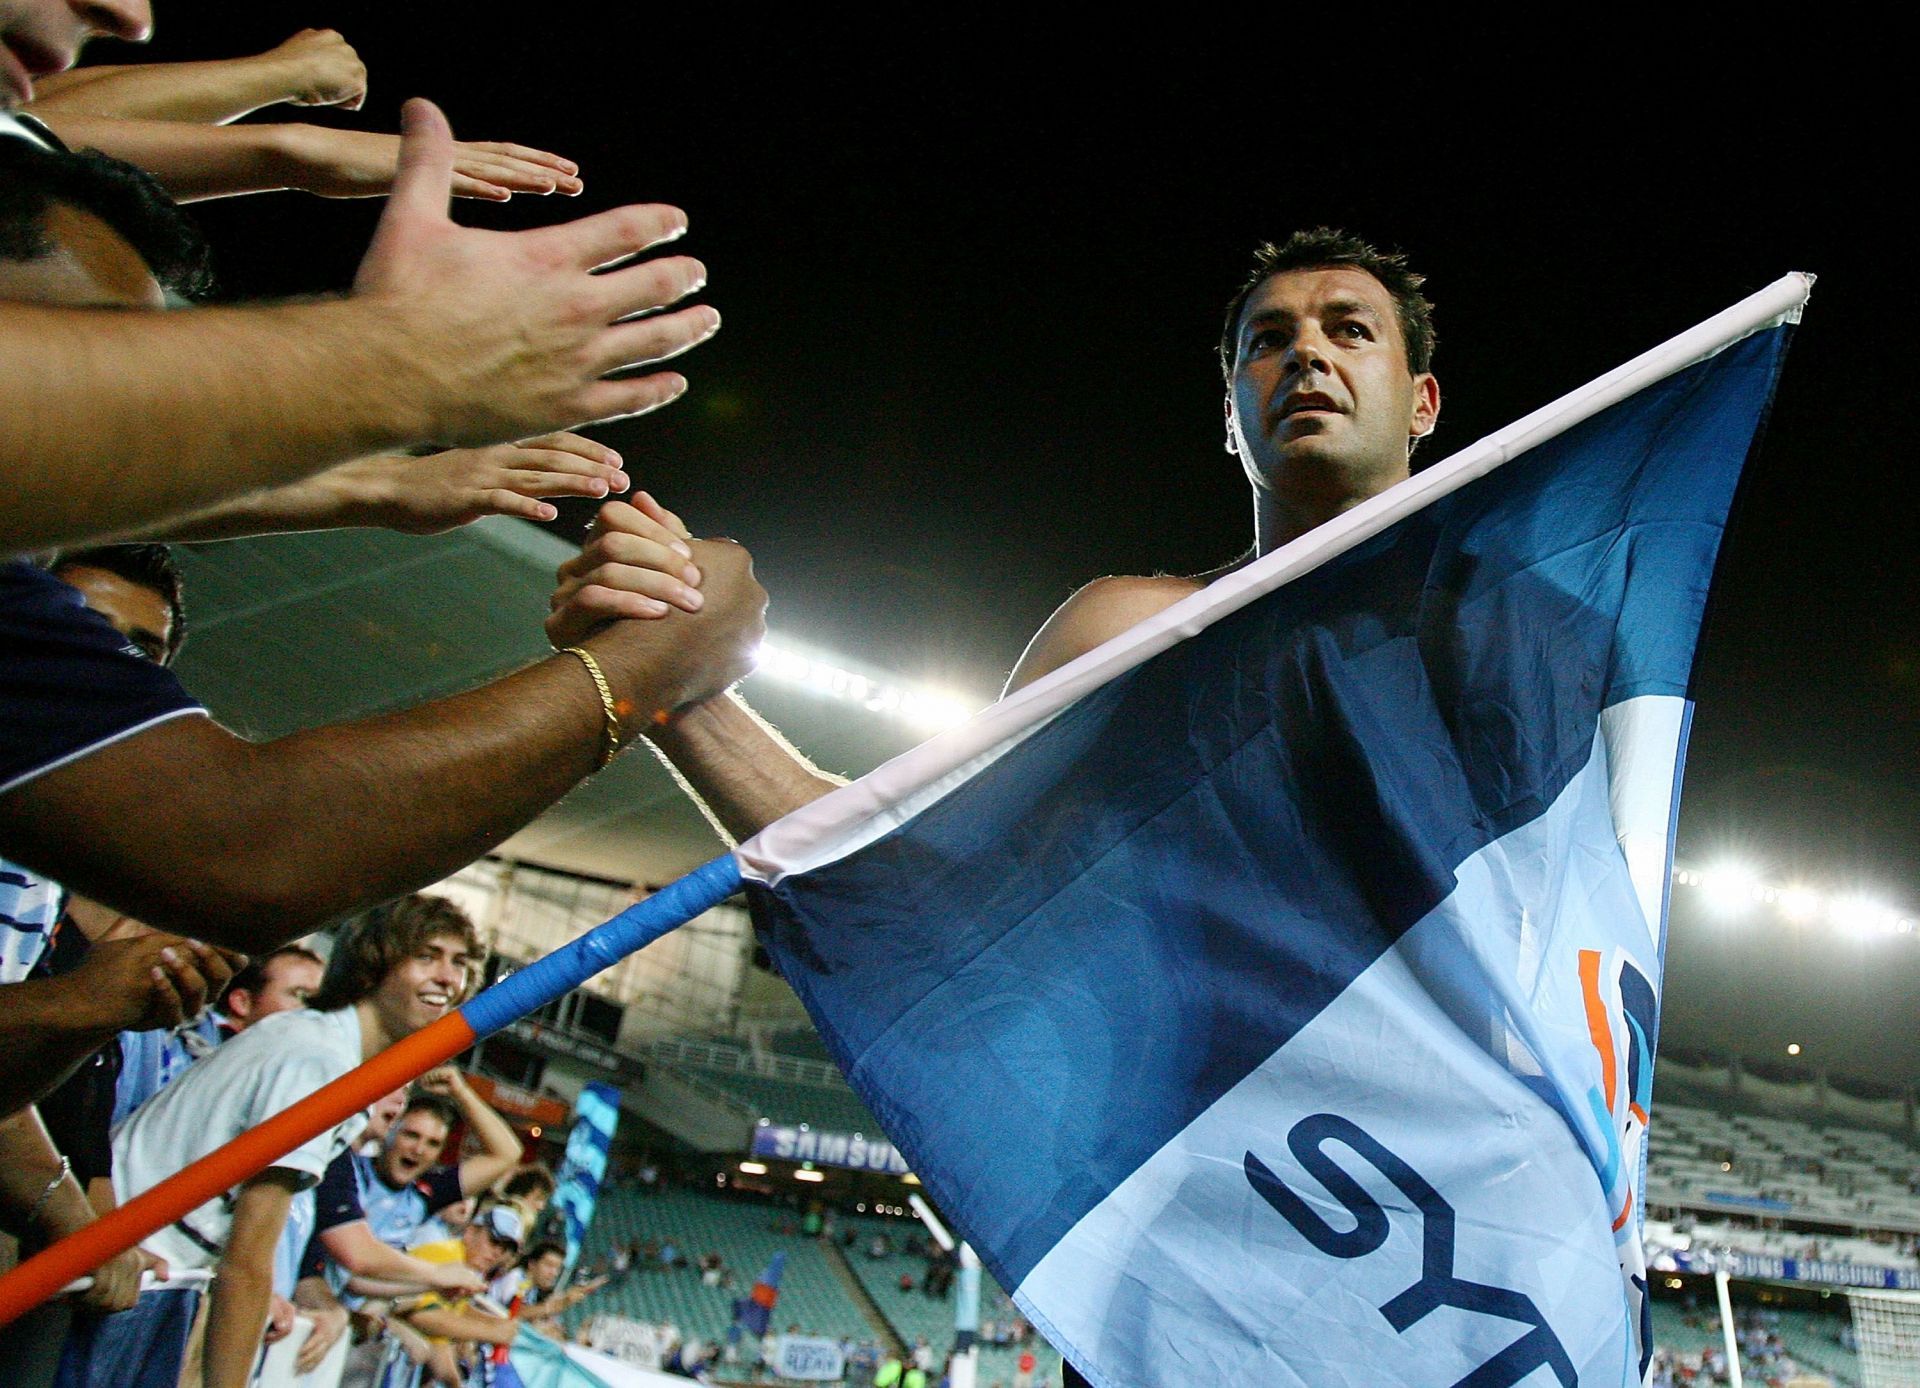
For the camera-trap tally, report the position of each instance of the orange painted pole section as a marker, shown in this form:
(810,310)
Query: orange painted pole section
(33,1281)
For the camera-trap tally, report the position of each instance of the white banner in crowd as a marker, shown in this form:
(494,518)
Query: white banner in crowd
(810,1358)
(638,1343)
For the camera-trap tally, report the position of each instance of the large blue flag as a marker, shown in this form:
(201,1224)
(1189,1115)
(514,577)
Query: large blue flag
(1280,1009)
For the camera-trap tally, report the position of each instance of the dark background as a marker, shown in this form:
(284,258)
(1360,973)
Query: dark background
(972,278)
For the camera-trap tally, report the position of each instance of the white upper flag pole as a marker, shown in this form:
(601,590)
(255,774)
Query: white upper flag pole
(1726,1326)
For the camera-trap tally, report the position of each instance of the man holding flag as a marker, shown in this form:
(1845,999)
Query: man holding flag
(1318,915)
(1466,717)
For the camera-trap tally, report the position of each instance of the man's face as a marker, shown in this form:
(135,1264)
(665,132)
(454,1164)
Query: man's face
(419,989)
(136,611)
(1321,403)
(290,979)
(413,1146)
(91,266)
(545,1270)
(40,37)
(485,1253)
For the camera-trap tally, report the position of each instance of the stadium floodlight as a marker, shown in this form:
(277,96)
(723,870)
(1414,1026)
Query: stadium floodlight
(1793,1048)
(1860,915)
(1801,904)
(807,1175)
(753,1168)
(928,710)
(1731,886)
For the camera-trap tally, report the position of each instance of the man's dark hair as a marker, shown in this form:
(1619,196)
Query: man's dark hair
(33,179)
(439,1105)
(1324,248)
(368,949)
(148,566)
(541,1250)
(527,1180)
(253,977)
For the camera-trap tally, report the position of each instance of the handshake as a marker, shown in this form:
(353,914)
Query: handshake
(671,620)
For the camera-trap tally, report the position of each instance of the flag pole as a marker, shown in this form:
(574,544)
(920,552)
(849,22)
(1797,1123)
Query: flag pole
(1720,1280)
(521,992)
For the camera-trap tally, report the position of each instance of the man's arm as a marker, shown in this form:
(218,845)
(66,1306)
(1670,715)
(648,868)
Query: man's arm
(196,162)
(316,67)
(735,765)
(500,1147)
(47,1205)
(561,1301)
(264,842)
(132,980)
(445,1323)
(452,334)
(354,1247)
(241,1292)
(416,496)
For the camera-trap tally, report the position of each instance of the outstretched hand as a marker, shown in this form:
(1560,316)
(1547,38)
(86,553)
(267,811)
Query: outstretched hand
(515,330)
(438,492)
(363,164)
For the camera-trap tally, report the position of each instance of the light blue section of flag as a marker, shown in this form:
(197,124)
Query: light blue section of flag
(1437,1053)
(1281,1010)
(596,1113)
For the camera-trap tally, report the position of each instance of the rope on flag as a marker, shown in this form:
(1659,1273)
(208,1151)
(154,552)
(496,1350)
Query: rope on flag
(533,987)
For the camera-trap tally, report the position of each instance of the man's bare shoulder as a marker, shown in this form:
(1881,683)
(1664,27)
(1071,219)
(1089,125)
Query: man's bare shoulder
(1094,615)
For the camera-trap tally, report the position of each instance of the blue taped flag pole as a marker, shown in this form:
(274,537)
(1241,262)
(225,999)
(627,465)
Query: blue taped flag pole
(560,972)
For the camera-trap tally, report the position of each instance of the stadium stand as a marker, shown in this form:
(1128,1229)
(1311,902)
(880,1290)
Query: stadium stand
(782,1088)
(745,1235)
(914,1315)
(1776,1346)
(1853,1194)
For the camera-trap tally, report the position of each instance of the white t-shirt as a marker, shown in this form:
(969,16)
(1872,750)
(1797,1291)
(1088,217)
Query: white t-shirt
(29,906)
(264,1070)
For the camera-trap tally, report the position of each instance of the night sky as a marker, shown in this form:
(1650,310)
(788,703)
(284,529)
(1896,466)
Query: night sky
(972,280)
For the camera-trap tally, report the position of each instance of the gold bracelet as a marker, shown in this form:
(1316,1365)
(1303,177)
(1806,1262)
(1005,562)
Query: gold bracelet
(611,734)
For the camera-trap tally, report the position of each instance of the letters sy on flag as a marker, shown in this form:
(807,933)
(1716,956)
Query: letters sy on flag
(1281,1008)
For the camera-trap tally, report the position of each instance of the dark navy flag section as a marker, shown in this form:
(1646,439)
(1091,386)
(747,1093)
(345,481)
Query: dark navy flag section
(1042,982)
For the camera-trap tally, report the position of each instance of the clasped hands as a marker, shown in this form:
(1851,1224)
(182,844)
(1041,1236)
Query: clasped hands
(640,565)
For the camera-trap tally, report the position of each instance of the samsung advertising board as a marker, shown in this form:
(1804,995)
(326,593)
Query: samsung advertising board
(854,1151)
